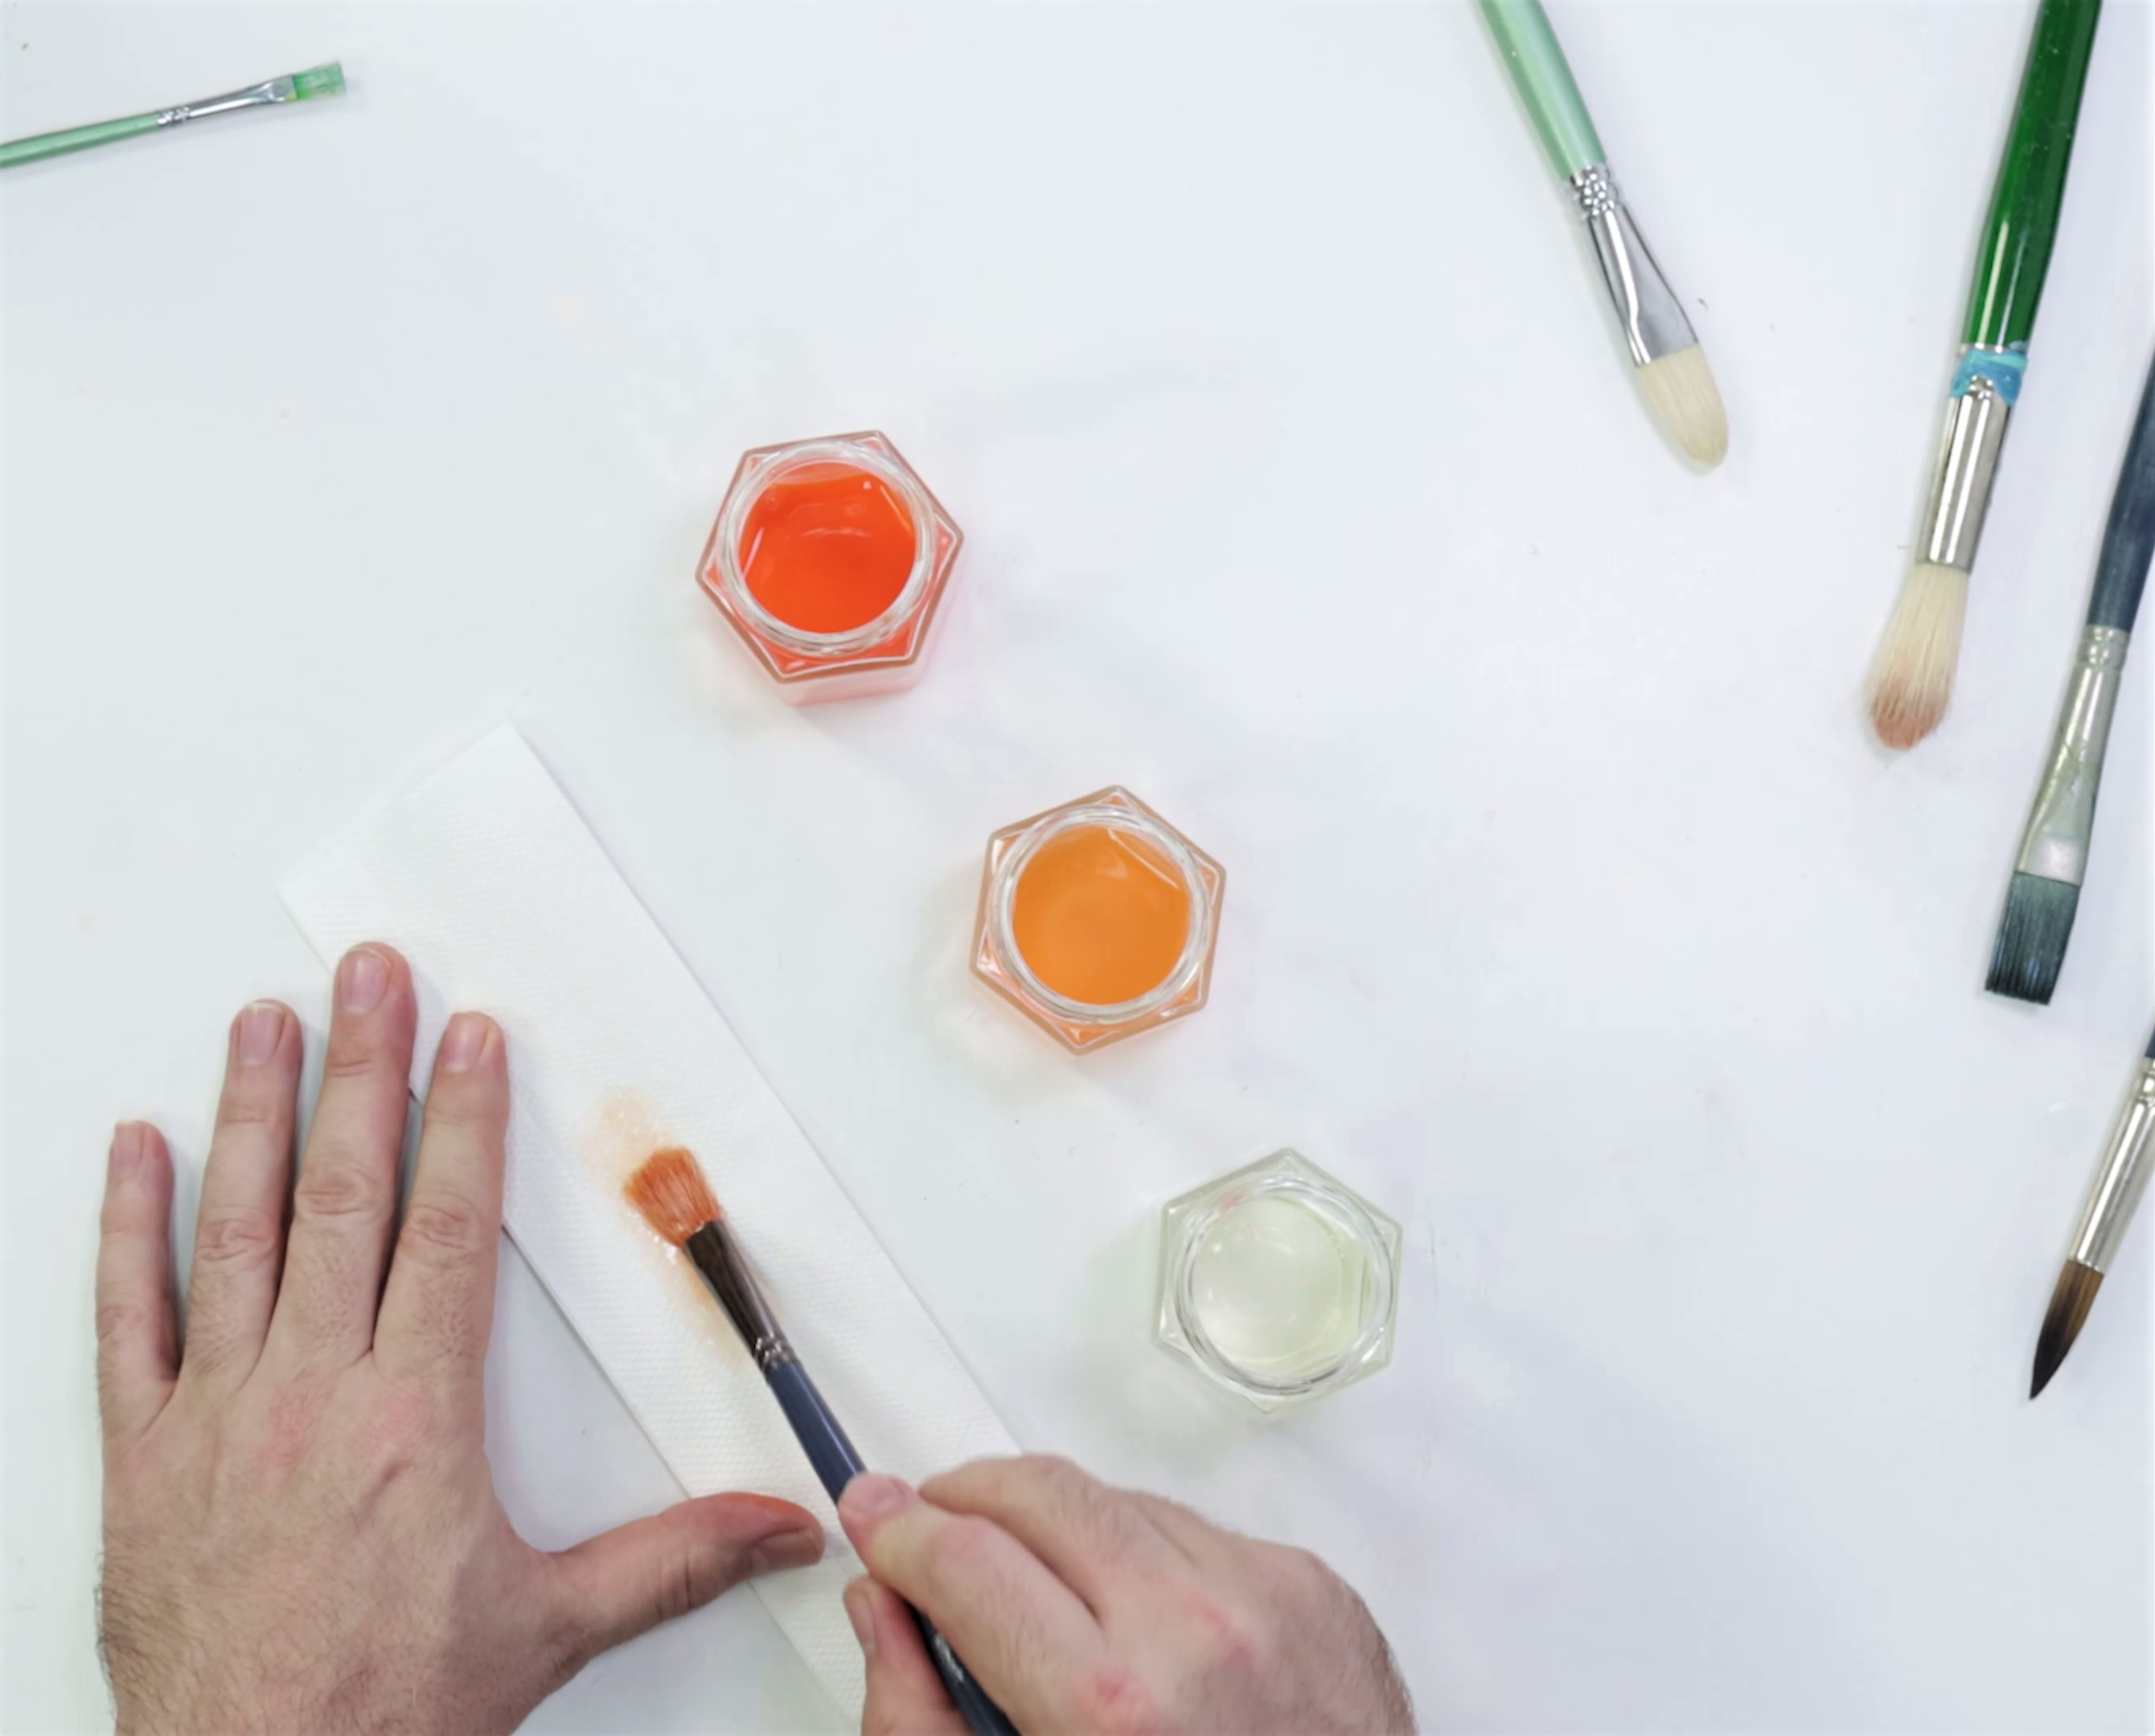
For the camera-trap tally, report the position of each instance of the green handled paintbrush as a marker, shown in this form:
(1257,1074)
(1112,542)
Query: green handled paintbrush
(292,87)
(1670,366)
(1912,680)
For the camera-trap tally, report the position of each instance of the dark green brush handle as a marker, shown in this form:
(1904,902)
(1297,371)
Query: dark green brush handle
(2128,540)
(2031,182)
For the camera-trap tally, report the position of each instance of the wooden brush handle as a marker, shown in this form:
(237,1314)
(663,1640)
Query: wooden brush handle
(2031,181)
(2128,540)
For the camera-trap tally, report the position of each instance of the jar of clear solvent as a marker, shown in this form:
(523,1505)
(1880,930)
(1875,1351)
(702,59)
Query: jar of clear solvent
(1278,1282)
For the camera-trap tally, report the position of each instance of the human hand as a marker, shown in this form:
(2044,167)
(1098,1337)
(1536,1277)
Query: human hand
(1085,1608)
(301,1532)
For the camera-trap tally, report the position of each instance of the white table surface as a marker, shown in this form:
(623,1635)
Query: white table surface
(1572,915)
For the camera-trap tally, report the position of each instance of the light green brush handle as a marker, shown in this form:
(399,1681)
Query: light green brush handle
(74,138)
(1538,68)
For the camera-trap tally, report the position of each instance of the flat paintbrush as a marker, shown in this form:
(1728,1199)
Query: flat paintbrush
(1670,366)
(292,87)
(670,1195)
(2119,1183)
(2045,894)
(1911,677)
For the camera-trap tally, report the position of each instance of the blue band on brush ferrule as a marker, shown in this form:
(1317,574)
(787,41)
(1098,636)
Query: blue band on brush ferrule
(2001,368)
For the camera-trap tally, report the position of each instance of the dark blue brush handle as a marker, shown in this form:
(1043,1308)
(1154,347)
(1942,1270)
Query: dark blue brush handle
(2151,1048)
(836,1464)
(2128,540)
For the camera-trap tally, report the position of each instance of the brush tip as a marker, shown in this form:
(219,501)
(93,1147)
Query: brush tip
(670,1194)
(2071,1300)
(318,81)
(1687,404)
(1912,680)
(2032,937)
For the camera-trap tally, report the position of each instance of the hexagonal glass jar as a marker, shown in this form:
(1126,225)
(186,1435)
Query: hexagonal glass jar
(1278,1282)
(1094,887)
(878,655)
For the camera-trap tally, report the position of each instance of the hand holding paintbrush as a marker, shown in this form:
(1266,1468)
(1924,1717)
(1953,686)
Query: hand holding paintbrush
(669,1193)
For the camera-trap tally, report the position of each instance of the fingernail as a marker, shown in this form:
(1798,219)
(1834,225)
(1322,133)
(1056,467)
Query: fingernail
(789,1549)
(128,1142)
(862,1617)
(462,1043)
(362,980)
(260,1027)
(868,1499)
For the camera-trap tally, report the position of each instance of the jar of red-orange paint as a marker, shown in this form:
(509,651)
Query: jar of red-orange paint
(827,560)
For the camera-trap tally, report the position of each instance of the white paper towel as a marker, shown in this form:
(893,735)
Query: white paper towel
(498,894)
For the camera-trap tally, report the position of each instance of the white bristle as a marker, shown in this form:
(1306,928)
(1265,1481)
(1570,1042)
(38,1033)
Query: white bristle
(1913,676)
(1680,387)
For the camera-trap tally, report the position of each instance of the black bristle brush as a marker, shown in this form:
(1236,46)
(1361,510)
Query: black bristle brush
(669,1193)
(2046,893)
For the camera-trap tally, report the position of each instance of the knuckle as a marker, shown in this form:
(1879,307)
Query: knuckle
(400,1429)
(331,1188)
(1113,1698)
(352,1058)
(443,1229)
(119,1317)
(241,1236)
(252,1106)
(1226,1637)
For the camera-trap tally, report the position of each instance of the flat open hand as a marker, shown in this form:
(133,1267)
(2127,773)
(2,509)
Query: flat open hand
(300,1529)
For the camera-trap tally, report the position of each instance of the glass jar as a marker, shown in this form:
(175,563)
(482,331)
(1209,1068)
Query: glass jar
(1098,919)
(1278,1282)
(827,560)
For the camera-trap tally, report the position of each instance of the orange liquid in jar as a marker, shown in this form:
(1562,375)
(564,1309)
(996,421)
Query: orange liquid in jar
(827,548)
(1100,916)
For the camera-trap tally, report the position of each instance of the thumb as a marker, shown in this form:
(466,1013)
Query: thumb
(637,1575)
(906,1696)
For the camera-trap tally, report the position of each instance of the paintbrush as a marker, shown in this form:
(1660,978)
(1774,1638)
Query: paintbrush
(2119,1183)
(1911,677)
(292,87)
(1670,366)
(2046,890)
(670,1195)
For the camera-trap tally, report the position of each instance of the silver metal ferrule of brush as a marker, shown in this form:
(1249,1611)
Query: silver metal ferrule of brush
(1653,320)
(745,1306)
(2055,844)
(1967,468)
(270,90)
(2123,1179)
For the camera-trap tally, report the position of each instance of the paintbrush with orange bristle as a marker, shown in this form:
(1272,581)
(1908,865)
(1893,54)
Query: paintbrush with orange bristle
(670,1195)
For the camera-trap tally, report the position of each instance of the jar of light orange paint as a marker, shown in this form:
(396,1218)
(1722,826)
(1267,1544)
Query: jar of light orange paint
(1098,919)
(827,560)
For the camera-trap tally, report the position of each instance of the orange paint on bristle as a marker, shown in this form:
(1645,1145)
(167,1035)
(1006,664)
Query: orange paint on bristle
(1101,916)
(827,548)
(670,1194)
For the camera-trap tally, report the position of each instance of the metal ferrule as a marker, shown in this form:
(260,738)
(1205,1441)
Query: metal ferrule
(1967,466)
(2123,1177)
(270,90)
(1646,308)
(743,1301)
(2055,844)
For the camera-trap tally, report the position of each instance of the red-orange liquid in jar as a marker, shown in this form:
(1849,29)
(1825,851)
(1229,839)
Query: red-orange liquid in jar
(827,548)
(1100,916)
